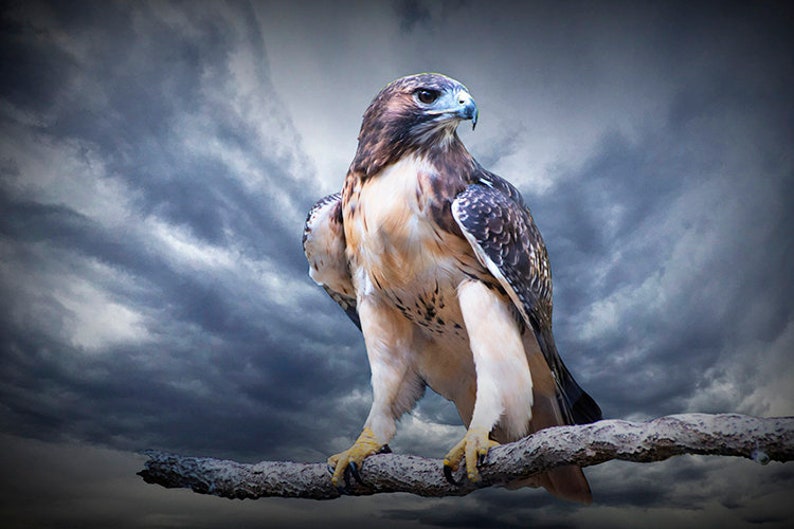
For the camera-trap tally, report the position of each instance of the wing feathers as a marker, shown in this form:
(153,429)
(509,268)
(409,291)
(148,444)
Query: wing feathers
(324,246)
(505,239)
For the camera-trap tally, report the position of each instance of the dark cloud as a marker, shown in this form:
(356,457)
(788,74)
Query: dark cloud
(157,163)
(411,12)
(32,72)
(207,333)
(606,209)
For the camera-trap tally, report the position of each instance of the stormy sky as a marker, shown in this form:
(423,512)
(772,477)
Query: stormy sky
(157,161)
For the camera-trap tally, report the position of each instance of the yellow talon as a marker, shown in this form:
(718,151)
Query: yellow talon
(472,448)
(366,445)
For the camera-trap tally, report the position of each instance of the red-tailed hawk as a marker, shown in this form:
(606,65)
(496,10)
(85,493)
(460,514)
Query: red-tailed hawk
(439,263)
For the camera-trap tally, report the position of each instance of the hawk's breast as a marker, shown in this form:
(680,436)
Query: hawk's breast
(398,251)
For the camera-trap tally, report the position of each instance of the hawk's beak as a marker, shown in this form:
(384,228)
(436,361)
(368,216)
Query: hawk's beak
(467,108)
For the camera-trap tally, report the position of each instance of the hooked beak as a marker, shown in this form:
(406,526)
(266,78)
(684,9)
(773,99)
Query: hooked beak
(457,106)
(467,108)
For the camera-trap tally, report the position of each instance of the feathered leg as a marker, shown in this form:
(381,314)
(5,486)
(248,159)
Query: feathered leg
(395,385)
(504,384)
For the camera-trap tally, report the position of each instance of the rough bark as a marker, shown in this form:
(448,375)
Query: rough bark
(759,439)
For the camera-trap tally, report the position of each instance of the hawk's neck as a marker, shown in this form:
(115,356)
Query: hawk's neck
(429,178)
(377,149)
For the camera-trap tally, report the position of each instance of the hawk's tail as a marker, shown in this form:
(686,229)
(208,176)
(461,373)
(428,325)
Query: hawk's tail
(575,403)
(580,405)
(550,408)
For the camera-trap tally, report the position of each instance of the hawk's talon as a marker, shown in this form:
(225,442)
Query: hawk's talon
(351,461)
(346,477)
(352,470)
(473,450)
(448,470)
(346,489)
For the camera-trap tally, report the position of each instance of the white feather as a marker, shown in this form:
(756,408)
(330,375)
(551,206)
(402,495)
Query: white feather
(504,383)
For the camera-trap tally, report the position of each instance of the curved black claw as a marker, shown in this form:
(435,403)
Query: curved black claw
(345,491)
(341,490)
(352,470)
(448,476)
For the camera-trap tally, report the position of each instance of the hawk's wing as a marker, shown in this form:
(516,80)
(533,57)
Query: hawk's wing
(501,231)
(324,246)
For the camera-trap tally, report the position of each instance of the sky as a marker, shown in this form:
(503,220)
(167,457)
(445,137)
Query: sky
(157,161)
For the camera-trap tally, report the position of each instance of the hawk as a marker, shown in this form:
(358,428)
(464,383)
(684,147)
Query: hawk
(439,263)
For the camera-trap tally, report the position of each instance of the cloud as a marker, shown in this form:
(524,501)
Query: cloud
(411,13)
(72,485)
(663,240)
(153,251)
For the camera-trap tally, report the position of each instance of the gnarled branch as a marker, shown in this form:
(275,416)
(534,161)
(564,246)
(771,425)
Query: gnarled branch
(760,439)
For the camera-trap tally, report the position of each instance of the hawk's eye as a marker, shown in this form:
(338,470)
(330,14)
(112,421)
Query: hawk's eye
(427,96)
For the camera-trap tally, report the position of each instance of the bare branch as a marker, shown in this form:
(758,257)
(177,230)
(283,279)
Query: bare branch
(760,439)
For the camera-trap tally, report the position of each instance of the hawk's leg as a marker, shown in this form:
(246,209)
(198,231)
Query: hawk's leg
(396,387)
(504,384)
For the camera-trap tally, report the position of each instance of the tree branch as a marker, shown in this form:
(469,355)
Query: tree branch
(759,439)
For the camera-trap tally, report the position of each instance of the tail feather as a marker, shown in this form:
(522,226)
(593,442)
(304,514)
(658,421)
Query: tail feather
(582,407)
(577,406)
(558,400)
(567,483)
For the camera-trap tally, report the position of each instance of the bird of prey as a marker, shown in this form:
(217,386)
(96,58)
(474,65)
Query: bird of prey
(439,263)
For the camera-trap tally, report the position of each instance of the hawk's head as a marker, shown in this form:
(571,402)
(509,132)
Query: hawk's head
(417,112)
